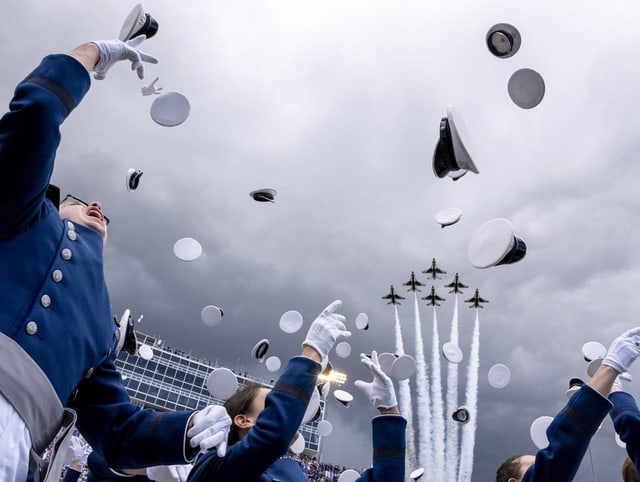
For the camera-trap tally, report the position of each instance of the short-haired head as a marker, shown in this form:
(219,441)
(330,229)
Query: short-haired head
(629,473)
(514,468)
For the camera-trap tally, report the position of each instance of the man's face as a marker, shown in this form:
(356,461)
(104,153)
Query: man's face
(89,215)
(526,461)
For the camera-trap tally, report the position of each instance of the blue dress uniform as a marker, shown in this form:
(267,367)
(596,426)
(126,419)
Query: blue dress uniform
(569,435)
(259,455)
(626,420)
(57,331)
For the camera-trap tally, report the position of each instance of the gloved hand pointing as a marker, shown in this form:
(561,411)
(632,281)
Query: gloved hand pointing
(623,351)
(380,390)
(169,473)
(326,329)
(112,51)
(210,429)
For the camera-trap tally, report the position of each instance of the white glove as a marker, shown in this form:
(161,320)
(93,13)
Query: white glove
(380,390)
(112,51)
(326,329)
(623,351)
(79,450)
(169,473)
(210,429)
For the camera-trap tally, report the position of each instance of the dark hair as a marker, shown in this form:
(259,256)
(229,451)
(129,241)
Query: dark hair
(240,403)
(510,468)
(629,473)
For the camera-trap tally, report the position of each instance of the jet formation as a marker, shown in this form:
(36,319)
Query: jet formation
(476,301)
(433,298)
(393,297)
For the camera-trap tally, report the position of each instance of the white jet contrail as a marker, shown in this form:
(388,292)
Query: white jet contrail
(438,409)
(469,430)
(452,439)
(404,391)
(424,454)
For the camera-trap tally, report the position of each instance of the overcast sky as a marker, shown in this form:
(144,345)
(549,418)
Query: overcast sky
(337,105)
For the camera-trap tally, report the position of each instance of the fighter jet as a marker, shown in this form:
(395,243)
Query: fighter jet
(433,298)
(434,271)
(456,285)
(393,296)
(476,300)
(413,282)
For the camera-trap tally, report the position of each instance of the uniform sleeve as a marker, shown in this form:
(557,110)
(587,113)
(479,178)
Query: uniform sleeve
(30,135)
(569,435)
(388,450)
(270,437)
(127,436)
(626,420)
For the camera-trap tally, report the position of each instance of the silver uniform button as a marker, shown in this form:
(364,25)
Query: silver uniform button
(66,254)
(32,328)
(57,275)
(71,234)
(74,394)
(70,225)
(89,373)
(45,301)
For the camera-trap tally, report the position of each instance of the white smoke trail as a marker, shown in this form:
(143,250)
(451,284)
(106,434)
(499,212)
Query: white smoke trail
(405,402)
(438,409)
(452,440)
(469,430)
(424,454)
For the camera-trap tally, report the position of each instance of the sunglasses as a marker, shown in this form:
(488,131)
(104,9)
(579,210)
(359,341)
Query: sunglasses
(76,200)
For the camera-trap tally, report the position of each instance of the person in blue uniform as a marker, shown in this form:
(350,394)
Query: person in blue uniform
(57,330)
(265,422)
(626,421)
(571,430)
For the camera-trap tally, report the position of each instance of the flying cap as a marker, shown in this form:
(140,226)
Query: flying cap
(325,428)
(386,362)
(450,153)
(211,315)
(499,376)
(145,352)
(170,109)
(416,474)
(138,23)
(298,444)
(187,249)
(538,431)
(526,88)
(312,406)
(273,363)
(349,475)
(592,350)
(574,386)
(260,349)
(452,352)
(133,179)
(593,365)
(461,415)
(324,388)
(291,321)
(264,195)
(503,40)
(222,383)
(362,321)
(448,216)
(343,397)
(343,349)
(403,367)
(494,243)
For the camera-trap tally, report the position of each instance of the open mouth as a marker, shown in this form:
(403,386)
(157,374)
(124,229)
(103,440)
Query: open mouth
(95,213)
